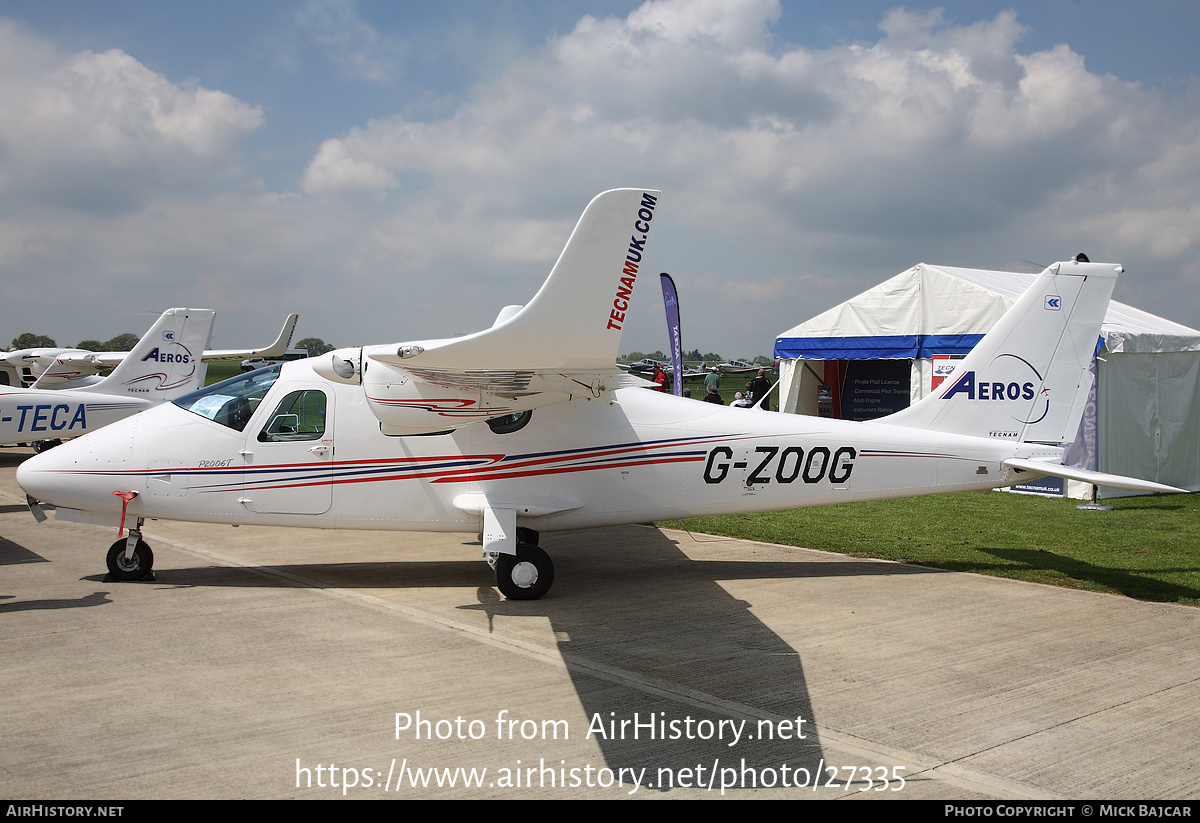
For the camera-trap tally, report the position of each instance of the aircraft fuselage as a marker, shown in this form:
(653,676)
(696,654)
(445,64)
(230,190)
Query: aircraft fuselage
(580,463)
(31,415)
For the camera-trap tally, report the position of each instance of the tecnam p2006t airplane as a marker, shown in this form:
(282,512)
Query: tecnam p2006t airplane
(164,365)
(529,426)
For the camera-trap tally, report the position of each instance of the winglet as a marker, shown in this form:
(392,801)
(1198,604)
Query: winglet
(281,342)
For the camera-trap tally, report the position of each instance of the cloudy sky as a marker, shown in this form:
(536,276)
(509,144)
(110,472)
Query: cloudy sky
(400,171)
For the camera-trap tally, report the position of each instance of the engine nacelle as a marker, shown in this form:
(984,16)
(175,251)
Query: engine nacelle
(340,366)
(405,404)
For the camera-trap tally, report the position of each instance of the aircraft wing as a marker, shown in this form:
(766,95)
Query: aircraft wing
(562,344)
(526,382)
(574,321)
(274,350)
(1115,481)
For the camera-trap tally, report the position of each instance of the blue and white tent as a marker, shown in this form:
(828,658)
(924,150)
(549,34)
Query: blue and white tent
(1148,415)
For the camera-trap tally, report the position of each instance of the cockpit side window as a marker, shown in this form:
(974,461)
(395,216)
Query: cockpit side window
(231,402)
(299,416)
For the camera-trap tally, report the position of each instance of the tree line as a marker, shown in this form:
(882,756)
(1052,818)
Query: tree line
(125,342)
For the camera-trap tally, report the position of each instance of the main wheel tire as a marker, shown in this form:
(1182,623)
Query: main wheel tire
(527,575)
(136,568)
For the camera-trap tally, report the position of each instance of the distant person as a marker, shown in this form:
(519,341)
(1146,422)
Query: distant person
(713,396)
(760,388)
(741,401)
(712,379)
(660,379)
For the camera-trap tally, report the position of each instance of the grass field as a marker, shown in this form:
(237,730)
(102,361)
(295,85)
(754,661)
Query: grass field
(1147,547)
(219,370)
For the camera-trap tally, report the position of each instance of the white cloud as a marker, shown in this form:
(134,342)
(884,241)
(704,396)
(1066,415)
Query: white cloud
(334,169)
(100,131)
(792,177)
(693,92)
(934,141)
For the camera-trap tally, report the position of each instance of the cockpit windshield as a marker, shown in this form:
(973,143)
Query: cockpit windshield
(231,402)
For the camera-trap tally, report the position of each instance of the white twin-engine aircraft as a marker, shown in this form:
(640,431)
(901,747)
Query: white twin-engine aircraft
(163,365)
(529,426)
(65,368)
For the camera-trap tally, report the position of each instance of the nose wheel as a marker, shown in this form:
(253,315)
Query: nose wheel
(126,569)
(526,575)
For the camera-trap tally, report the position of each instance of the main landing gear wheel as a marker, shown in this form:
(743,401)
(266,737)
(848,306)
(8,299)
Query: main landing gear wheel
(527,575)
(137,567)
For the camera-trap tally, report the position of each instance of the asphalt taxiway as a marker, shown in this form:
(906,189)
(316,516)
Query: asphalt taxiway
(293,663)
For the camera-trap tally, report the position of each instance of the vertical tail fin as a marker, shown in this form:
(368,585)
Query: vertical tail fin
(166,362)
(1026,379)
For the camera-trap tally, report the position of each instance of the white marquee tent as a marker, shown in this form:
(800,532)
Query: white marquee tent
(1147,416)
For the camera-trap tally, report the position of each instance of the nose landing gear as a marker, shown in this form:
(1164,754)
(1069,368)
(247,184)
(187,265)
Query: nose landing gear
(138,567)
(130,558)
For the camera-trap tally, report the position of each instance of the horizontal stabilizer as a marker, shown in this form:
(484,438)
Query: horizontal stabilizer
(1115,481)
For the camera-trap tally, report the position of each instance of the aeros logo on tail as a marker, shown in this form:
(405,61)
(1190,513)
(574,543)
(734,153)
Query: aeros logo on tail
(176,353)
(976,389)
(1008,378)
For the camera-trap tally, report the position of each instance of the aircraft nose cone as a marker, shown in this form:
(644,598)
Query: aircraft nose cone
(81,473)
(33,475)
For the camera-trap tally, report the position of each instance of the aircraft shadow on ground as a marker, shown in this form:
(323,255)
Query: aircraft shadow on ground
(13,554)
(647,632)
(93,599)
(1124,581)
(663,618)
(10,458)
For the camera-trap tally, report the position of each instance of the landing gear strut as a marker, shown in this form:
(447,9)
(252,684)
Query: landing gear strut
(527,575)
